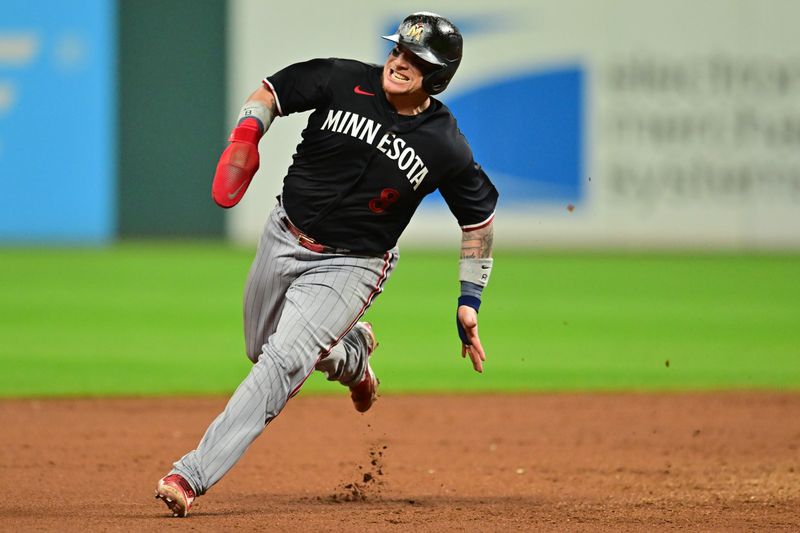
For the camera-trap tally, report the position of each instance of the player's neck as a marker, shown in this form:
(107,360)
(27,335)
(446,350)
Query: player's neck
(409,104)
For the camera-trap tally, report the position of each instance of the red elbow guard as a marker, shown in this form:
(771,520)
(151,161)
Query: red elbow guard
(238,164)
(248,130)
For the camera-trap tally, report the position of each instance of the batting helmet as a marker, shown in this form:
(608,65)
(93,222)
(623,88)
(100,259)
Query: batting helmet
(434,39)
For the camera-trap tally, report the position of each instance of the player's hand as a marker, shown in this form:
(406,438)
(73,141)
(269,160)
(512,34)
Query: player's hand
(237,166)
(468,318)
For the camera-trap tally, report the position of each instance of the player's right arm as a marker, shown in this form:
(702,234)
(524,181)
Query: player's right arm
(239,162)
(298,87)
(264,96)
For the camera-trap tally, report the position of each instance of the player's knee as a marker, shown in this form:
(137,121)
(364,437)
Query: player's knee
(286,361)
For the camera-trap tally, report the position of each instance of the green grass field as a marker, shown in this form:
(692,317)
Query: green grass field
(165,318)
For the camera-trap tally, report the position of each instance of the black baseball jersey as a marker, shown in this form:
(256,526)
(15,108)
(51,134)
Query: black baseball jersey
(361,169)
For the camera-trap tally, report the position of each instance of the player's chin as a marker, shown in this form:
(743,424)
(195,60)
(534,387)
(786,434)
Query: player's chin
(392,87)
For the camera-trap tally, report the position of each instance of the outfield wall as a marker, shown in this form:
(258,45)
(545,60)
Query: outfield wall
(620,123)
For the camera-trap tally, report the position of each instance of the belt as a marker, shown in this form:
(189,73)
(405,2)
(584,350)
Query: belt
(309,243)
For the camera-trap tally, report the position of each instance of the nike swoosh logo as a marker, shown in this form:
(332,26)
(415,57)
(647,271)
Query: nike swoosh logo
(232,195)
(485,267)
(358,90)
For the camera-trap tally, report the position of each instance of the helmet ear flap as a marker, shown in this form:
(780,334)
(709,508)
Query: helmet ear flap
(437,81)
(432,82)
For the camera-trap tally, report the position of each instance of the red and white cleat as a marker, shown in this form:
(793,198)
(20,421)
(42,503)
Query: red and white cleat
(365,393)
(176,493)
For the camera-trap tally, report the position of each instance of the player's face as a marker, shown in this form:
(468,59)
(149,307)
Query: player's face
(403,72)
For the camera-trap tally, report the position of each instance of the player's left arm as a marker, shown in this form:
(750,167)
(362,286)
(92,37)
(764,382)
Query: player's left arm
(474,269)
(472,198)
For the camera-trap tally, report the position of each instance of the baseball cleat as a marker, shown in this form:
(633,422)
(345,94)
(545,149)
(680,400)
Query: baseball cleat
(365,392)
(176,492)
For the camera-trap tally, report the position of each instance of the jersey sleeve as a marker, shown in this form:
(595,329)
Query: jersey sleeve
(471,197)
(302,86)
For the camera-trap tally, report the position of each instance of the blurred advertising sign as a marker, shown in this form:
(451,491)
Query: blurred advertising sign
(624,123)
(532,146)
(57,120)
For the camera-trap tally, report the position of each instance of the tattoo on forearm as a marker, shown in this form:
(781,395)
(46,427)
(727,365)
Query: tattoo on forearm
(477,244)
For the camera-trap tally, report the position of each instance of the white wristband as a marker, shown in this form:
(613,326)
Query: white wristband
(257,110)
(475,271)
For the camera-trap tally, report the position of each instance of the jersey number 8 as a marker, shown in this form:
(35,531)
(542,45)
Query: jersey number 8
(386,199)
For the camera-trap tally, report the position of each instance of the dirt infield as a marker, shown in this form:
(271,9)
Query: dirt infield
(599,462)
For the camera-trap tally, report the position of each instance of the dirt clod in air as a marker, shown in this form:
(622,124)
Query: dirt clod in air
(369,485)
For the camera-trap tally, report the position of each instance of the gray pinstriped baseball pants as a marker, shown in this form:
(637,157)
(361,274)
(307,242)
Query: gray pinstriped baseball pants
(299,310)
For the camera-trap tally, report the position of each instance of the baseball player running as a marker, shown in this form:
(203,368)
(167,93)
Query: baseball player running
(375,145)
